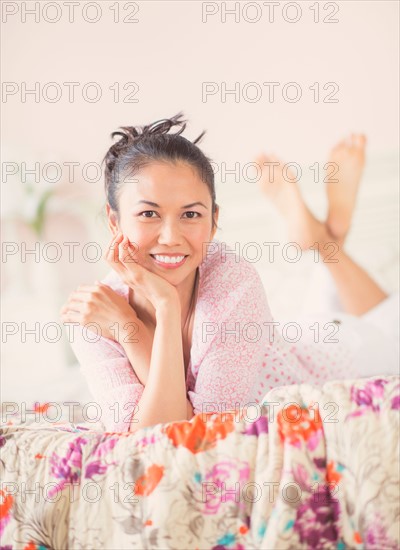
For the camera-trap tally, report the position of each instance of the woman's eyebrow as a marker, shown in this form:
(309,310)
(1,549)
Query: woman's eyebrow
(186,206)
(195,204)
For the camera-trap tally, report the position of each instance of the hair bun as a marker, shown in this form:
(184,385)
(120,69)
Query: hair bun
(163,126)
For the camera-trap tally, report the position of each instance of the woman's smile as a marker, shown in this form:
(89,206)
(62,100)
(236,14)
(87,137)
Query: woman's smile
(168,261)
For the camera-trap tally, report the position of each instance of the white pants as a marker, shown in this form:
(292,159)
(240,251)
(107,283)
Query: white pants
(373,337)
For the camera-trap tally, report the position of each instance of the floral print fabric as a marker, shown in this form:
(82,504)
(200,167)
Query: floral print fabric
(310,468)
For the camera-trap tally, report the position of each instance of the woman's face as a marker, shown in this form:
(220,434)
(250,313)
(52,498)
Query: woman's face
(157,213)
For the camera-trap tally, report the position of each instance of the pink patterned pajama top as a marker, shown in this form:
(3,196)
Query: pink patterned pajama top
(237,355)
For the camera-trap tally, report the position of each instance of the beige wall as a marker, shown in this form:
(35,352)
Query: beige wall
(170,52)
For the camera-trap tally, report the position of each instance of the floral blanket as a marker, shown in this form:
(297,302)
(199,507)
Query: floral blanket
(310,468)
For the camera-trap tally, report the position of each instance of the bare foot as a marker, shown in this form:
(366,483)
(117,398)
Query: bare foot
(279,184)
(349,156)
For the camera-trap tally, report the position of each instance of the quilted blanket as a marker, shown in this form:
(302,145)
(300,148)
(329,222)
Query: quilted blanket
(309,468)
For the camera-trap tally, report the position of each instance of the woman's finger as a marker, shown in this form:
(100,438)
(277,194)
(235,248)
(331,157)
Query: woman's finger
(113,247)
(129,251)
(123,253)
(71,317)
(122,259)
(73,305)
(113,256)
(85,288)
(132,251)
(115,251)
(116,262)
(79,296)
(123,250)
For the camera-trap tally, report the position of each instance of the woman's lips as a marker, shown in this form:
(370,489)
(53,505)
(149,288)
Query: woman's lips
(169,265)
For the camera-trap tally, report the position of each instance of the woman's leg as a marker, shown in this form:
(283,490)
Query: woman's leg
(357,291)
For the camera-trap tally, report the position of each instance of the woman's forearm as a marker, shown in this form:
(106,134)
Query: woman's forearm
(139,355)
(164,396)
(137,344)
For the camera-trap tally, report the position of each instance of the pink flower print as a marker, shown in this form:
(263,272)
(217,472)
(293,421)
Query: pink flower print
(222,485)
(106,446)
(369,397)
(99,467)
(68,468)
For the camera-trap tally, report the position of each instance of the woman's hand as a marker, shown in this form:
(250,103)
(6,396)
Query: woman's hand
(100,304)
(121,257)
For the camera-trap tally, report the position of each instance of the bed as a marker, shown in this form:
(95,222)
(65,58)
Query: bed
(308,468)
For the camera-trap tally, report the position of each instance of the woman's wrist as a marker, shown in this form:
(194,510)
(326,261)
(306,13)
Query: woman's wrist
(168,305)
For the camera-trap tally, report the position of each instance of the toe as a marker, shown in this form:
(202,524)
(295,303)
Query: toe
(344,144)
(274,158)
(261,159)
(362,140)
(356,142)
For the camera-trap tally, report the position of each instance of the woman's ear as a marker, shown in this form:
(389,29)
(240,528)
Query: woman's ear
(112,220)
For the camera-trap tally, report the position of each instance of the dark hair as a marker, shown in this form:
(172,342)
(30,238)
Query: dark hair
(153,143)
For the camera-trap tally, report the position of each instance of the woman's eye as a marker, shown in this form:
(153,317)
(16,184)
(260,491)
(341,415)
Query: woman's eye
(147,212)
(191,217)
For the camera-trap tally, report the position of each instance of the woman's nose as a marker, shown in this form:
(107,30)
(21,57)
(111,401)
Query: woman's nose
(170,233)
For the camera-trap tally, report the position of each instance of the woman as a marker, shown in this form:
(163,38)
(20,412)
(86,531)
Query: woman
(182,324)
(165,351)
